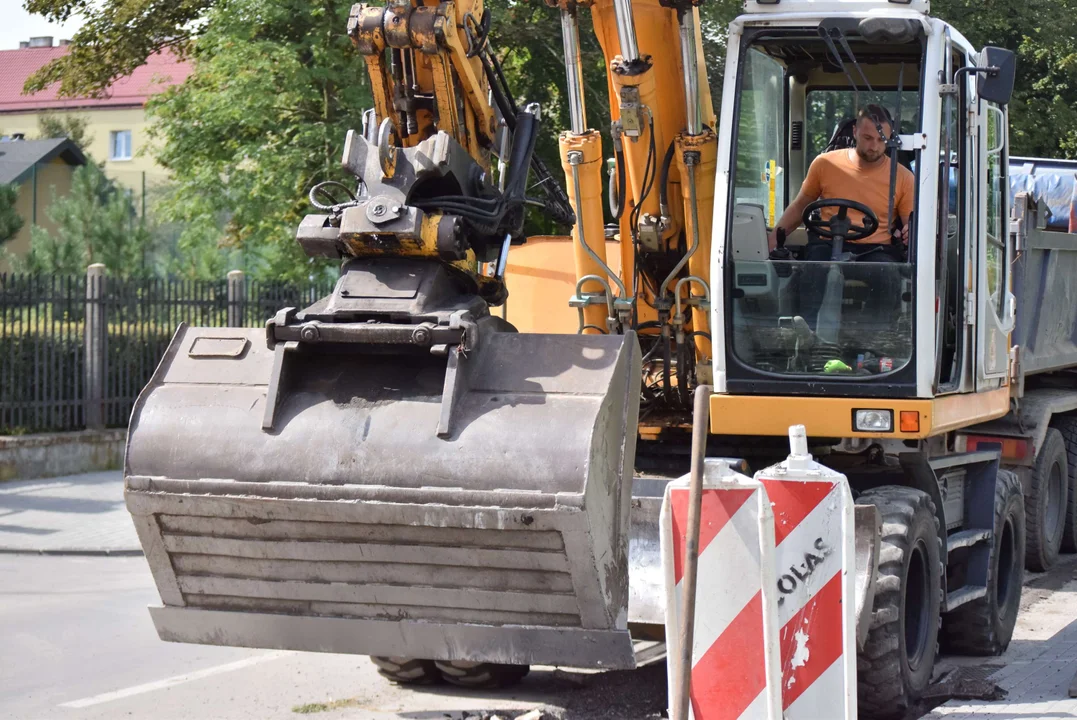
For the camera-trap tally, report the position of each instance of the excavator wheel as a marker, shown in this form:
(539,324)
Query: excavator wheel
(985,626)
(481,674)
(894,668)
(407,671)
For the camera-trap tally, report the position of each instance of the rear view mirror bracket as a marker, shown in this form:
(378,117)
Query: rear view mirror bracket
(996,76)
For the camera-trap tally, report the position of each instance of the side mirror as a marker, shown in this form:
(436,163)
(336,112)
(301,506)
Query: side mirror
(997,87)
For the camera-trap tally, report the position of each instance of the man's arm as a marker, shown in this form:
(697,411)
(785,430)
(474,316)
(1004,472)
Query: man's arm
(810,191)
(791,218)
(904,204)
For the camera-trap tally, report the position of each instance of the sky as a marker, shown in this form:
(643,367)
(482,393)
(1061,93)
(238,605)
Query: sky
(21,25)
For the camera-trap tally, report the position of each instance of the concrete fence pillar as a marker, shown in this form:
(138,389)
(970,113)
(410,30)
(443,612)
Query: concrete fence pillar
(96,337)
(237,297)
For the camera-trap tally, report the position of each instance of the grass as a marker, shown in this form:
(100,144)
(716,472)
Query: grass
(318,707)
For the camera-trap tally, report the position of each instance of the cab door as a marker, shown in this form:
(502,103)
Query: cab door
(995,304)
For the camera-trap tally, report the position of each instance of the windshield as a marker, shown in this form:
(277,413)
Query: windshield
(838,319)
(816,306)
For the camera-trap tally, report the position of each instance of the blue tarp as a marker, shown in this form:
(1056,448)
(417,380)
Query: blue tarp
(1052,181)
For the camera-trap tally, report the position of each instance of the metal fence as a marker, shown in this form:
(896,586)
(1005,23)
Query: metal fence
(75,351)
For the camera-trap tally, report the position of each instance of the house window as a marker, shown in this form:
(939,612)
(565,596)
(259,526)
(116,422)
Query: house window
(119,145)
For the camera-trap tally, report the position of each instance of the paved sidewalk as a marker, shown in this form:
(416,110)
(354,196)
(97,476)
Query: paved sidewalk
(1038,666)
(73,514)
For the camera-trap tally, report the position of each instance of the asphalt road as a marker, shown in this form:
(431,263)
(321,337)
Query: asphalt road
(76,642)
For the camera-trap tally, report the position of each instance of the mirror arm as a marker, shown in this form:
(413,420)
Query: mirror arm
(991,71)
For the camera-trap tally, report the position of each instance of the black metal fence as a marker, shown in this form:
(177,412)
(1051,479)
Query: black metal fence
(42,325)
(75,351)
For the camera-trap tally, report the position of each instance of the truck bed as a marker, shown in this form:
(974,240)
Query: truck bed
(1044,269)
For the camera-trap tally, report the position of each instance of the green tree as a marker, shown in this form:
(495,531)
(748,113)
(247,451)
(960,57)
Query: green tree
(95,222)
(10,222)
(1043,113)
(64,125)
(276,87)
(115,39)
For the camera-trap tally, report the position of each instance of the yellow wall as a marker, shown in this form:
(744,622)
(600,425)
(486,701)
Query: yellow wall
(100,122)
(541,277)
(53,180)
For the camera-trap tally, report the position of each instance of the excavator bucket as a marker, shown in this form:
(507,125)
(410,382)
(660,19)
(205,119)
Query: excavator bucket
(341,497)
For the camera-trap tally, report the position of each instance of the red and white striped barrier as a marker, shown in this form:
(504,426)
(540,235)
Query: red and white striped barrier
(735,652)
(795,567)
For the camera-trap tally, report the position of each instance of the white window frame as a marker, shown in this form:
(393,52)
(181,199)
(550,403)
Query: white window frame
(114,147)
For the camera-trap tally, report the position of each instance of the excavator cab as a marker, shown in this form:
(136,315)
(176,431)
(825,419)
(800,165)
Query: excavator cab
(831,300)
(861,309)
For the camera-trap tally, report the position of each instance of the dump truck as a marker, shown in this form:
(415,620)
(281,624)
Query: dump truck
(413,470)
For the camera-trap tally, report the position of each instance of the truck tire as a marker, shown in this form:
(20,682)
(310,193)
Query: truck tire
(481,674)
(1067,425)
(1046,503)
(895,666)
(985,626)
(407,671)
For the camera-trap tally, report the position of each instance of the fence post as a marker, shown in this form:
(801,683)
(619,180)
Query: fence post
(96,347)
(237,297)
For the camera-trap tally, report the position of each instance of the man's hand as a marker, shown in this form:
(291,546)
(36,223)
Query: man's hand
(902,233)
(772,239)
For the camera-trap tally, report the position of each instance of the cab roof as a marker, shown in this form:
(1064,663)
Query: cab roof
(833,6)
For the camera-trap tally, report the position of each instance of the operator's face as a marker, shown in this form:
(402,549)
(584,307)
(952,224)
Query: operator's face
(869,145)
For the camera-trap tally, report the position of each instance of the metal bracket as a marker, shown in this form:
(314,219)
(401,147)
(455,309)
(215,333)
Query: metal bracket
(631,112)
(276,380)
(650,232)
(454,388)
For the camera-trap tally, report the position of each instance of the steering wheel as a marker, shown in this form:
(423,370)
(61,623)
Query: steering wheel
(840,226)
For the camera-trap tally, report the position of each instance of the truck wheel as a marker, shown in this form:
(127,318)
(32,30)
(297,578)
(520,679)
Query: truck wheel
(895,666)
(985,626)
(481,674)
(407,671)
(1067,425)
(1046,503)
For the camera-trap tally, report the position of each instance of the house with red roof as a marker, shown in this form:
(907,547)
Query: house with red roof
(116,122)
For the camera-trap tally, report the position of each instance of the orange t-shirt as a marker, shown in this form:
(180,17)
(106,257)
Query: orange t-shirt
(836,175)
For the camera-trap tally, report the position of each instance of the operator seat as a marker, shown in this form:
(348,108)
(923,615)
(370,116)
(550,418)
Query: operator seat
(842,138)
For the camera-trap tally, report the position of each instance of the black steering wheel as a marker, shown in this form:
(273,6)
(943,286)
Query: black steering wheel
(840,226)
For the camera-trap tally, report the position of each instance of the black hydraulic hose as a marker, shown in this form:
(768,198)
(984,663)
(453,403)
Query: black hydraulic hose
(650,170)
(490,212)
(663,178)
(558,206)
(501,98)
(503,80)
(667,361)
(683,374)
(523,147)
(617,192)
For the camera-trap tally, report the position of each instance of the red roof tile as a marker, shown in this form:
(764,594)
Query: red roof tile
(159,72)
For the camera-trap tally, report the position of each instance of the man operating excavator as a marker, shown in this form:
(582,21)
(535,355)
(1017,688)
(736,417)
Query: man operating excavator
(861,174)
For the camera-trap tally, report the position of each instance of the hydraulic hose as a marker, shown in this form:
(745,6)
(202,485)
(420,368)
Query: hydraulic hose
(617,191)
(663,178)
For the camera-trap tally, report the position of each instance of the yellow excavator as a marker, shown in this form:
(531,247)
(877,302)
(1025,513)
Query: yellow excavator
(410,470)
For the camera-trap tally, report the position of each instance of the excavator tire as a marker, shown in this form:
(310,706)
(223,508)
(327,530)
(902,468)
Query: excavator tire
(985,626)
(1067,425)
(1046,504)
(481,674)
(407,671)
(894,668)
